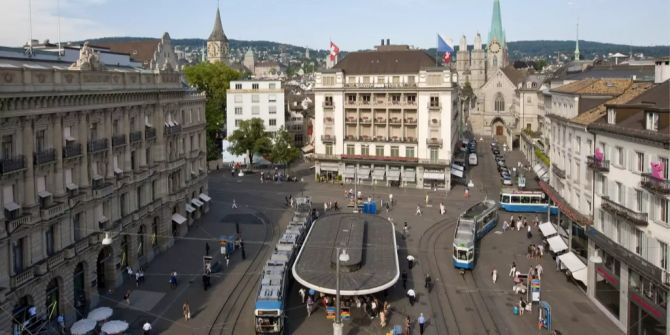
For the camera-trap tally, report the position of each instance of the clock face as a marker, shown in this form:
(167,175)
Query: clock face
(494,47)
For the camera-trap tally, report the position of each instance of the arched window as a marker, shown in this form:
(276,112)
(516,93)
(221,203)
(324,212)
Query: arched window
(499,103)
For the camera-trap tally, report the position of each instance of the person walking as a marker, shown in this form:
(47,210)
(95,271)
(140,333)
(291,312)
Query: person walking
(227,259)
(539,269)
(411,294)
(137,278)
(408,325)
(467,193)
(206,249)
(186,309)
(146,328)
(494,275)
(410,261)
(422,323)
(302,294)
(427,199)
(512,269)
(391,198)
(418,210)
(442,209)
(126,297)
(404,279)
(234,203)
(310,305)
(428,282)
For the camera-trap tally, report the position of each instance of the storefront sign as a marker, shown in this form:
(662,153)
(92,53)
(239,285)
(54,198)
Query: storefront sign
(609,277)
(646,306)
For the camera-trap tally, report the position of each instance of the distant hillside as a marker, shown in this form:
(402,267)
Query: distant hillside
(518,49)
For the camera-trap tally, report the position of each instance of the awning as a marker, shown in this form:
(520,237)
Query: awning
(197,203)
(541,172)
(393,175)
(456,172)
(581,276)
(69,138)
(308,148)
(457,167)
(563,206)
(71,187)
(189,208)
(379,174)
(11,206)
(547,229)
(409,175)
(572,262)
(204,197)
(556,244)
(433,175)
(330,167)
(350,171)
(178,218)
(363,172)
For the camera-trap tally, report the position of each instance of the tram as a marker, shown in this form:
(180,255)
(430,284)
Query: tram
(472,225)
(269,310)
(525,201)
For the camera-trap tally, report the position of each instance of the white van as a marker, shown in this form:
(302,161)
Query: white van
(472,159)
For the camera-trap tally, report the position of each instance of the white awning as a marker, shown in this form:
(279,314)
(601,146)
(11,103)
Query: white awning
(197,202)
(69,138)
(457,167)
(572,262)
(433,175)
(11,206)
(547,229)
(556,244)
(350,171)
(308,148)
(363,172)
(204,197)
(581,276)
(409,175)
(189,208)
(178,218)
(118,171)
(393,175)
(71,187)
(456,172)
(330,167)
(379,173)
(541,172)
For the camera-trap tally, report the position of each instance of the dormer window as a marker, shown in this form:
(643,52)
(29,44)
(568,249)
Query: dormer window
(611,116)
(652,121)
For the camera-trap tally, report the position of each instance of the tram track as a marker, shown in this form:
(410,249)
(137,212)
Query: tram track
(230,312)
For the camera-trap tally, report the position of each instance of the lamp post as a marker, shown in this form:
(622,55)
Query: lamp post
(355,191)
(341,257)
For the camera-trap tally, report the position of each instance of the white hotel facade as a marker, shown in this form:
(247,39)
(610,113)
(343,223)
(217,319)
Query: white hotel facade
(247,99)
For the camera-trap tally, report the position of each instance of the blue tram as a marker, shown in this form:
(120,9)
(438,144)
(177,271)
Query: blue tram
(472,225)
(525,202)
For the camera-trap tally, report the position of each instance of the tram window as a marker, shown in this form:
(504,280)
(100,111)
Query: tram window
(534,200)
(525,200)
(455,253)
(462,255)
(505,198)
(471,255)
(515,199)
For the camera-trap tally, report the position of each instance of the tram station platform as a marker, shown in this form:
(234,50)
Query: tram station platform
(369,241)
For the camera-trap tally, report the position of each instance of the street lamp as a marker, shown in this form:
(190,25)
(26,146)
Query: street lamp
(341,257)
(596,258)
(107,240)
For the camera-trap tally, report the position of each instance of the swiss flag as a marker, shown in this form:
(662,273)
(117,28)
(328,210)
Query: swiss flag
(334,51)
(447,57)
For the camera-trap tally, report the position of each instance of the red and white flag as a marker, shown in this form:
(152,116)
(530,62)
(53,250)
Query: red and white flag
(334,51)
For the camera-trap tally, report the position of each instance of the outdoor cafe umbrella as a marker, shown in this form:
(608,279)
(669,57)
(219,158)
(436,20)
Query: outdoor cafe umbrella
(82,326)
(100,314)
(114,327)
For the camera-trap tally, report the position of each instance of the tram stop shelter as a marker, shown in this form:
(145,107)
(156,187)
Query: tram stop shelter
(373,259)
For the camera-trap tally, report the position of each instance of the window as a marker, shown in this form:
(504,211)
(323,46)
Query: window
(663,209)
(272,109)
(272,122)
(578,145)
(619,156)
(328,101)
(434,101)
(409,152)
(272,98)
(499,103)
(255,98)
(94,131)
(123,203)
(434,154)
(238,110)
(329,149)
(663,257)
(666,168)
(411,80)
(619,193)
(365,150)
(611,116)
(238,98)
(617,230)
(49,240)
(638,200)
(237,123)
(380,79)
(272,86)
(7,146)
(329,80)
(639,161)
(379,150)
(652,121)
(255,110)
(77,228)
(602,184)
(254,86)
(638,241)
(395,151)
(238,87)
(351,149)
(40,140)
(17,253)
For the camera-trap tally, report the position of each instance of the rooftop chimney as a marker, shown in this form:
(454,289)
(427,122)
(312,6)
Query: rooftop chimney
(388,41)
(382,42)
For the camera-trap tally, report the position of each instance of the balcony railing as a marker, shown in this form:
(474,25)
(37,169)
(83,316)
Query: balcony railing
(12,225)
(434,161)
(434,142)
(150,133)
(118,140)
(98,145)
(558,172)
(434,105)
(72,149)
(597,164)
(380,120)
(327,104)
(410,121)
(653,184)
(409,139)
(395,120)
(14,163)
(53,211)
(351,119)
(45,156)
(172,130)
(55,260)
(21,278)
(135,136)
(365,120)
(328,138)
(616,209)
(350,137)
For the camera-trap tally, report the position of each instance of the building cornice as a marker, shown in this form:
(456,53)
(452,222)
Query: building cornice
(638,135)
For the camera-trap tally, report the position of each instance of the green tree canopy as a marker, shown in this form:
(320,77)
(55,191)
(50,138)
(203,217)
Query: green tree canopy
(250,138)
(213,79)
(283,149)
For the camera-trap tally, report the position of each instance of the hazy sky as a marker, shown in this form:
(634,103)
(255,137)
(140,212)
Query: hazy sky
(352,24)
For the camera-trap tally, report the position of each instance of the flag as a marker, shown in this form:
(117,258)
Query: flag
(334,51)
(445,47)
(657,169)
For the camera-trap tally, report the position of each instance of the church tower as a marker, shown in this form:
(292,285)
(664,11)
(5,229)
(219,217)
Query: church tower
(217,43)
(477,64)
(577,44)
(463,62)
(249,62)
(497,46)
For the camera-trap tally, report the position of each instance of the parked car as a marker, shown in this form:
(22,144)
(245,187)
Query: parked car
(472,159)
(507,179)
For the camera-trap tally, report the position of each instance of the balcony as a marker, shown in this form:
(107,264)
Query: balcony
(395,120)
(435,122)
(53,211)
(653,184)
(328,120)
(328,138)
(351,120)
(380,138)
(12,225)
(81,246)
(118,140)
(150,133)
(558,172)
(440,162)
(135,137)
(410,121)
(434,142)
(365,120)
(13,163)
(55,260)
(328,104)
(380,120)
(409,139)
(72,149)
(639,219)
(434,105)
(101,188)
(45,156)
(172,130)
(599,165)
(349,138)
(22,278)
(98,145)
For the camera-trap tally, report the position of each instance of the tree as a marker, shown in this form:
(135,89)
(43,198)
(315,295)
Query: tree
(250,138)
(283,150)
(213,79)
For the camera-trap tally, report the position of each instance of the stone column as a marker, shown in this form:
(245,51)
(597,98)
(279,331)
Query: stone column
(59,190)
(84,180)
(29,176)
(107,128)
(623,294)
(159,124)
(126,129)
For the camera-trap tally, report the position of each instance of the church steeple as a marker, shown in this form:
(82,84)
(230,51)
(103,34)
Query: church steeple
(497,33)
(217,43)
(577,43)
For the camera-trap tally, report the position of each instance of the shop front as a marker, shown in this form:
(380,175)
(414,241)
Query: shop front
(328,172)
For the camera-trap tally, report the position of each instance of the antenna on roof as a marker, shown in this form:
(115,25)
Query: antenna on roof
(60,49)
(29,50)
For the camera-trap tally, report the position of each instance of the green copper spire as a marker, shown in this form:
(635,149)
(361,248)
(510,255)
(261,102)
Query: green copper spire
(497,31)
(577,44)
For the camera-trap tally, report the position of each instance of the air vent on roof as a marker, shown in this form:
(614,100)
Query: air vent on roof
(609,84)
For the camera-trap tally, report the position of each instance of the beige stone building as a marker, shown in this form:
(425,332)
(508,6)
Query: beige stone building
(90,155)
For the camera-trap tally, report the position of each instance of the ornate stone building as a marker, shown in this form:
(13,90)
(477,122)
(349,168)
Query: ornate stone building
(217,43)
(101,167)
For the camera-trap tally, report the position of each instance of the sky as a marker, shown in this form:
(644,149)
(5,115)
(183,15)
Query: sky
(352,24)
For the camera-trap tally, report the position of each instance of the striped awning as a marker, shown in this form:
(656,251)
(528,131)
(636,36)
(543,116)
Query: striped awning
(379,174)
(393,175)
(409,175)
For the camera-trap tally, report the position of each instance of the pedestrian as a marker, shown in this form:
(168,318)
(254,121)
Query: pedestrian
(529,234)
(558,263)
(410,261)
(405,231)
(408,325)
(261,177)
(494,275)
(146,327)
(427,199)
(130,271)
(310,305)
(418,210)
(126,297)
(540,249)
(302,294)
(412,296)
(388,207)
(173,279)
(244,254)
(141,275)
(404,279)
(539,269)
(206,249)
(422,323)
(467,193)
(512,269)
(522,306)
(234,203)
(442,209)
(325,206)
(186,309)
(391,198)
(505,225)
(61,323)
(428,282)
(137,278)
(227,260)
